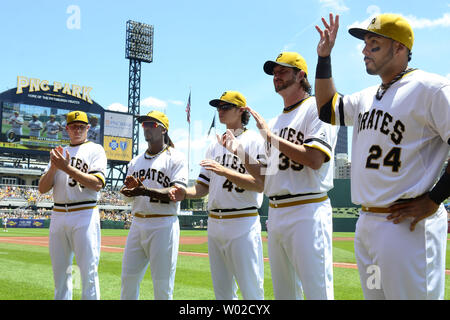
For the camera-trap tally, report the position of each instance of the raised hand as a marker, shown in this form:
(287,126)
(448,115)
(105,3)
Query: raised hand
(229,141)
(58,160)
(327,36)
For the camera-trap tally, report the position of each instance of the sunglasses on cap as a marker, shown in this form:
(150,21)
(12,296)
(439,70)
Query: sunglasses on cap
(225,107)
(150,124)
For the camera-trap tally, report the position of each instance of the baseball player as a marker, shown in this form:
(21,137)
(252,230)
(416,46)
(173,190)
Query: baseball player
(401,137)
(234,228)
(5,224)
(94,131)
(76,174)
(35,126)
(52,127)
(16,122)
(155,231)
(298,175)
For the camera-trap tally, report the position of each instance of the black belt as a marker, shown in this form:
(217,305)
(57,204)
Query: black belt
(288,196)
(233,210)
(74,203)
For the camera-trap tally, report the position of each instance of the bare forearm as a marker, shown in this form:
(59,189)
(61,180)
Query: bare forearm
(197,191)
(301,154)
(160,194)
(245,181)
(46,181)
(87,180)
(324,92)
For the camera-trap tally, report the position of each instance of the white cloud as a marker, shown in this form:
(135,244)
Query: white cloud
(337,6)
(416,23)
(152,102)
(421,23)
(116,106)
(177,102)
(448,76)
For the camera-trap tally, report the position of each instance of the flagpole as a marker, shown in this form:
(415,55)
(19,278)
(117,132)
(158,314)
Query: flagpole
(189,149)
(189,135)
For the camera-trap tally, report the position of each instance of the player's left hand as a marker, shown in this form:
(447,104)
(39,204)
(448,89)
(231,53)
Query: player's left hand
(136,188)
(260,123)
(213,166)
(418,208)
(229,141)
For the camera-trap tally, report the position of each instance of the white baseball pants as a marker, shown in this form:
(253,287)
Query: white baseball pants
(151,241)
(300,251)
(395,263)
(235,254)
(76,233)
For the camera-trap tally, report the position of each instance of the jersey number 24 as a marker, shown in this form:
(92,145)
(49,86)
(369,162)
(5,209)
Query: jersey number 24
(392,158)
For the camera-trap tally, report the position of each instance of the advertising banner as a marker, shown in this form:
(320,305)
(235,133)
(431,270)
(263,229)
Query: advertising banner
(26,223)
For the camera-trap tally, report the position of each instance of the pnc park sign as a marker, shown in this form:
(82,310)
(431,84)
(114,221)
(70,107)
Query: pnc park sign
(37,85)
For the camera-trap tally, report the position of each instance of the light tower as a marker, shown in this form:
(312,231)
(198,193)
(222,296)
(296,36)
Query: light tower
(139,48)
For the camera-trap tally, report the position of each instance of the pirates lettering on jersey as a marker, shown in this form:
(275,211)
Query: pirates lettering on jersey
(290,133)
(296,137)
(231,161)
(153,174)
(384,122)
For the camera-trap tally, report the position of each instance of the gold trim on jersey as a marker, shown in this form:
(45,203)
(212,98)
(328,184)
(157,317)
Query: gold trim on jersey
(73,209)
(101,177)
(298,202)
(375,209)
(333,111)
(232,216)
(296,106)
(320,149)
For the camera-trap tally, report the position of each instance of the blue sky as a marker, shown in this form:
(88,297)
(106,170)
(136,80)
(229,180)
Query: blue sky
(207,47)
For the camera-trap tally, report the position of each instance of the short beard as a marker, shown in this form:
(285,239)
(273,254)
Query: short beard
(286,85)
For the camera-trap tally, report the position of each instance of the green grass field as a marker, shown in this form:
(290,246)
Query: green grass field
(25,271)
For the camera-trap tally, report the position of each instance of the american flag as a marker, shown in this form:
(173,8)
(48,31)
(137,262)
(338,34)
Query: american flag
(188,109)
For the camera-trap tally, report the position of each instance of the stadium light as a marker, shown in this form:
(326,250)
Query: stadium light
(139,41)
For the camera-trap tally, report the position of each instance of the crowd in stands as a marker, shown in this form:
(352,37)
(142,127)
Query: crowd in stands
(33,198)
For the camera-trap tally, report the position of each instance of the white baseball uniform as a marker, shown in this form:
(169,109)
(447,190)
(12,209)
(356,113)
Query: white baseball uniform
(300,214)
(16,124)
(5,223)
(35,128)
(52,129)
(94,134)
(399,146)
(65,134)
(75,223)
(155,231)
(234,228)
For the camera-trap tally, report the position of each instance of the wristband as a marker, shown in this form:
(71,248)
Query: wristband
(441,190)
(323,69)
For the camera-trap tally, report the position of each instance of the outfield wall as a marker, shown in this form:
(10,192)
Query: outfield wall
(193,222)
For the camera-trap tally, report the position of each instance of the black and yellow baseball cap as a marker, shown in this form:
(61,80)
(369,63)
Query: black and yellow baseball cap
(388,25)
(233,97)
(287,59)
(155,115)
(77,116)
